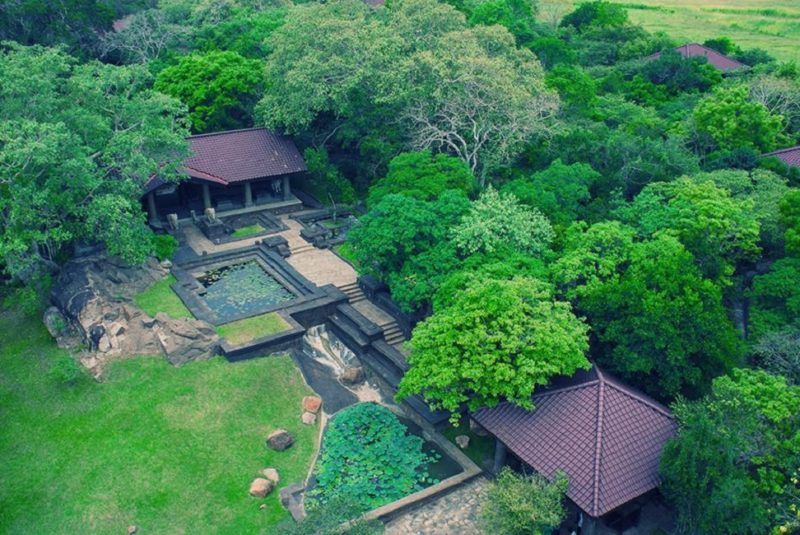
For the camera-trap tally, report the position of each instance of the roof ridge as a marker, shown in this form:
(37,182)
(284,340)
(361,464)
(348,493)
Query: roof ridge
(598,444)
(781,151)
(204,172)
(567,388)
(223,132)
(638,397)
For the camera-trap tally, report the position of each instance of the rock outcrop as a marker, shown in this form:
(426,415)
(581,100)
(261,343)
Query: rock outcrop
(94,297)
(280,439)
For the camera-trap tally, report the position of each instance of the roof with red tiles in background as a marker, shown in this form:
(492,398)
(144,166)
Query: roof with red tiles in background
(693,50)
(604,435)
(790,156)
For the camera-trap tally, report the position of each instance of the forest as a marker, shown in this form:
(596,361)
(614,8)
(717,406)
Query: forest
(540,189)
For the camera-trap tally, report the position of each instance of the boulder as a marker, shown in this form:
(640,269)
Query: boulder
(292,500)
(312,404)
(132,529)
(271,474)
(260,487)
(280,439)
(352,376)
(309,418)
(462,441)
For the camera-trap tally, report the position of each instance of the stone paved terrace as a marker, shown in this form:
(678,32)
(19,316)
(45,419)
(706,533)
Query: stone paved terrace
(455,513)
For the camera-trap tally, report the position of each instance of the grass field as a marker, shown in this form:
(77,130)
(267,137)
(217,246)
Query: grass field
(246,330)
(170,450)
(773,25)
(160,298)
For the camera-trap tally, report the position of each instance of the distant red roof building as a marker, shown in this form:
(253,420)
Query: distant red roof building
(790,156)
(604,435)
(693,50)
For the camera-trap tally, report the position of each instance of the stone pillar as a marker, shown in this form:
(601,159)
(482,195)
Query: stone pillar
(151,207)
(248,195)
(287,192)
(206,197)
(499,456)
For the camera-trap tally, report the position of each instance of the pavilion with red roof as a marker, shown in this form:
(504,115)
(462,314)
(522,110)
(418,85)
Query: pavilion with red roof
(694,50)
(232,170)
(604,435)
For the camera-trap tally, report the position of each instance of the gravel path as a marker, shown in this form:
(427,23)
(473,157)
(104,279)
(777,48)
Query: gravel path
(453,514)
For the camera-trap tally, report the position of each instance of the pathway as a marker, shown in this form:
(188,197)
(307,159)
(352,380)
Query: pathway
(456,513)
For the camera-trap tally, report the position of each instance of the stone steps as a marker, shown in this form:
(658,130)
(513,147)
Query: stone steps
(353,292)
(302,249)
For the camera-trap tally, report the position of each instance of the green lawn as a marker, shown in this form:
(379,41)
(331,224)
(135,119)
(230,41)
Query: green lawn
(250,230)
(247,330)
(160,298)
(171,450)
(345,251)
(773,25)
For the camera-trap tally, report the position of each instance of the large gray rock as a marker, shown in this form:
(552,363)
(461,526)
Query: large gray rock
(60,328)
(94,295)
(280,439)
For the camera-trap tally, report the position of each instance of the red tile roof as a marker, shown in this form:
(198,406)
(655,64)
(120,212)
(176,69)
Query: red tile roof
(693,50)
(604,435)
(238,155)
(790,156)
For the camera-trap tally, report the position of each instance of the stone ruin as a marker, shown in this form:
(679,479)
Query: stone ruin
(93,308)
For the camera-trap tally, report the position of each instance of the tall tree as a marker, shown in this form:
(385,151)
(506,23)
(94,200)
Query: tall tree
(478,96)
(219,88)
(658,323)
(496,340)
(497,221)
(76,154)
(729,469)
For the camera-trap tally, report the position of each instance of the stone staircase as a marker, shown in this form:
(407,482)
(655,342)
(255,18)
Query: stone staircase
(353,292)
(300,249)
(392,333)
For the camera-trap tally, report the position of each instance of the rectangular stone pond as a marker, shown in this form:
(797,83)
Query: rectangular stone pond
(240,290)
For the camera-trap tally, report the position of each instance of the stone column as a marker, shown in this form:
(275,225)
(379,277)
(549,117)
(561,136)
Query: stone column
(499,456)
(206,196)
(151,207)
(248,195)
(287,192)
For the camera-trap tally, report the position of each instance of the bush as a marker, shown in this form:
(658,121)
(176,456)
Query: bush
(524,504)
(164,246)
(325,180)
(368,455)
(66,370)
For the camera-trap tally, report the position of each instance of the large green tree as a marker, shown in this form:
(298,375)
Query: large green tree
(733,121)
(775,298)
(498,221)
(423,176)
(658,322)
(790,218)
(76,153)
(219,88)
(718,229)
(399,228)
(497,340)
(729,469)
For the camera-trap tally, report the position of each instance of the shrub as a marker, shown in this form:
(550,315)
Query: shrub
(524,504)
(164,246)
(66,370)
(368,455)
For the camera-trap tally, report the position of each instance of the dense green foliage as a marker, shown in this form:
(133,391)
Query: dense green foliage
(368,455)
(524,504)
(495,340)
(76,153)
(219,88)
(729,469)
